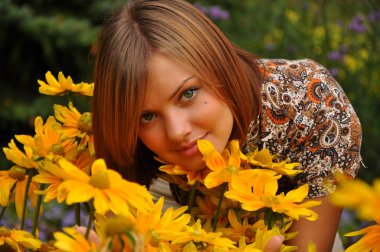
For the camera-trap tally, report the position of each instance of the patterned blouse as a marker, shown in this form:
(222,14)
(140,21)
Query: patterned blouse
(305,116)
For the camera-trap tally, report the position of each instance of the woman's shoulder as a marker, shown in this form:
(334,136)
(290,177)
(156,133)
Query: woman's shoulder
(295,82)
(296,70)
(306,116)
(282,63)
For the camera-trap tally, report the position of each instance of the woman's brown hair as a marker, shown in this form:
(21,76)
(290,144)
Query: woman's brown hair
(126,43)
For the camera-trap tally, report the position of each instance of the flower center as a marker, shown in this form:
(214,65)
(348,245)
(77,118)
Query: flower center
(4,232)
(57,149)
(232,169)
(197,233)
(154,240)
(250,232)
(85,122)
(118,225)
(271,201)
(100,180)
(16,173)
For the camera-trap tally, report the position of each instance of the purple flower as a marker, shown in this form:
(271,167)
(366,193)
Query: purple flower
(335,55)
(270,46)
(217,13)
(357,25)
(202,8)
(374,16)
(334,72)
(55,212)
(346,216)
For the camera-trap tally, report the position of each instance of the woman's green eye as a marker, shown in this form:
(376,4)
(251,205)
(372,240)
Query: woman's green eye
(147,117)
(188,94)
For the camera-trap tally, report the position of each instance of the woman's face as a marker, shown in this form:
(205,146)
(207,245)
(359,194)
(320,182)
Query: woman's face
(178,110)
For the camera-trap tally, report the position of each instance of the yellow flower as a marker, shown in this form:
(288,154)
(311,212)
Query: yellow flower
(260,179)
(199,236)
(264,159)
(156,227)
(369,242)
(292,16)
(205,208)
(243,247)
(358,195)
(224,166)
(63,85)
(47,142)
(73,241)
(16,177)
(75,125)
(192,175)
(262,239)
(190,247)
(118,233)
(44,177)
(244,229)
(83,161)
(105,186)
(14,154)
(255,189)
(17,240)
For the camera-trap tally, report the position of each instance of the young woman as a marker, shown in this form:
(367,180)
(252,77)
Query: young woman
(166,76)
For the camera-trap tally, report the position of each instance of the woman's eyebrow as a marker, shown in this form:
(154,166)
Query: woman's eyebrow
(180,86)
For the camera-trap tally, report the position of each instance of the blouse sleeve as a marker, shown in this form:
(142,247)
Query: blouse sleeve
(307,117)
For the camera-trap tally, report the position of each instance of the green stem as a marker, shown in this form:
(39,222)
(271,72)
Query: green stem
(191,199)
(90,220)
(37,211)
(69,97)
(77,214)
(216,217)
(30,176)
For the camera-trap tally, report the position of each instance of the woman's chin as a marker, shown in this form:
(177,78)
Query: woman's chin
(194,164)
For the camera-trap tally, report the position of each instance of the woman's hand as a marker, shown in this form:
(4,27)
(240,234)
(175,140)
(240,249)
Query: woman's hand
(321,232)
(274,244)
(92,237)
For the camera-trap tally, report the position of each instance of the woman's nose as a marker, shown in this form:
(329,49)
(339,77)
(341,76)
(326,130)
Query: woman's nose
(177,126)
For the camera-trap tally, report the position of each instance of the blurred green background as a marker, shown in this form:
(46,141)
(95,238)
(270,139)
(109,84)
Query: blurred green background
(47,35)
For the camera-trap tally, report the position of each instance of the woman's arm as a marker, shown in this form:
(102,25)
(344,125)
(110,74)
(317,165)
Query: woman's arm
(321,232)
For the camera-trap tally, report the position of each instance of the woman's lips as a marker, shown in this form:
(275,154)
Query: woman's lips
(191,149)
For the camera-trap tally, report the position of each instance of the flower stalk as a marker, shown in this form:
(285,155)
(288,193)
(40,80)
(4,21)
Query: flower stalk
(191,199)
(37,211)
(69,97)
(91,214)
(2,211)
(217,213)
(23,215)
(77,214)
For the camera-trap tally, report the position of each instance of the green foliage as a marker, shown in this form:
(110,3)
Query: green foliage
(37,36)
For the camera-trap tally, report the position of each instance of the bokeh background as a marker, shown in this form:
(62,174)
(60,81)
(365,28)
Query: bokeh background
(37,36)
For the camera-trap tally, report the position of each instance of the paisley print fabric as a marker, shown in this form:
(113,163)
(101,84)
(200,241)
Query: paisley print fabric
(305,116)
